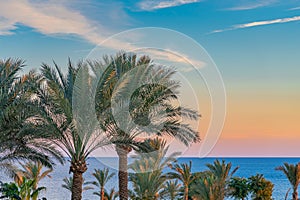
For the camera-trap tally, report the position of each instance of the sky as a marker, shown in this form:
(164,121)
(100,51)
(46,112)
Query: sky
(254,44)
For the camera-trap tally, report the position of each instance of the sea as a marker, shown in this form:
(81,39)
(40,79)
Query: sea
(247,168)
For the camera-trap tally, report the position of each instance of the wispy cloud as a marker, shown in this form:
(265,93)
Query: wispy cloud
(48,18)
(56,18)
(253,5)
(296,8)
(156,4)
(259,23)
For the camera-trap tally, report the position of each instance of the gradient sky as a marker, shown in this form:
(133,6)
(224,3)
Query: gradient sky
(254,43)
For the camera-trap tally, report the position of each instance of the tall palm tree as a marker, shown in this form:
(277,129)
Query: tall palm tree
(148,178)
(183,172)
(68,119)
(292,172)
(32,171)
(22,127)
(223,173)
(148,92)
(102,177)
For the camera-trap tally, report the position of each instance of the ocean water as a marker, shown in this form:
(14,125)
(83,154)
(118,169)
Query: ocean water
(247,167)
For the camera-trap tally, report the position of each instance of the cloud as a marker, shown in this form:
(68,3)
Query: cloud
(57,18)
(296,8)
(156,4)
(259,23)
(253,5)
(172,57)
(48,18)
(6,26)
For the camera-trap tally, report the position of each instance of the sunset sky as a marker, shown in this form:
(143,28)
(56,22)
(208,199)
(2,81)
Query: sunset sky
(254,43)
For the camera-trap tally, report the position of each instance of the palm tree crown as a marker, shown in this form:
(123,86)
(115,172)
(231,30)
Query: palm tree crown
(292,172)
(21,122)
(102,177)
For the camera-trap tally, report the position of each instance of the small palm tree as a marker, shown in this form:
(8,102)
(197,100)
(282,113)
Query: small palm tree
(171,190)
(68,182)
(32,171)
(148,178)
(261,188)
(183,172)
(292,172)
(102,177)
(10,191)
(222,172)
(28,190)
(239,188)
(205,188)
(111,195)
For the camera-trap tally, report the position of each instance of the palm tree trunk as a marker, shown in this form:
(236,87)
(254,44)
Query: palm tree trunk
(78,168)
(122,152)
(102,193)
(35,195)
(77,186)
(186,193)
(295,194)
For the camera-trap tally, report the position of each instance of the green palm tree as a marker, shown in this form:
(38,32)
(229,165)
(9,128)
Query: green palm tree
(22,127)
(24,191)
(148,178)
(292,172)
(183,172)
(102,177)
(205,188)
(123,81)
(10,191)
(239,188)
(112,195)
(171,190)
(32,171)
(68,182)
(261,188)
(27,190)
(69,120)
(222,173)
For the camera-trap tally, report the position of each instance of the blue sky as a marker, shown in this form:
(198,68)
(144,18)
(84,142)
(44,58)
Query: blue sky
(44,30)
(255,44)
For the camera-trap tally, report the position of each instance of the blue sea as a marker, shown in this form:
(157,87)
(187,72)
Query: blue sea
(247,167)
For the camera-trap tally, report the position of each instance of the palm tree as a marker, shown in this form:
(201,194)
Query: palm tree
(222,173)
(261,188)
(145,90)
(112,195)
(68,182)
(183,172)
(22,128)
(102,177)
(239,188)
(148,178)
(205,188)
(28,190)
(292,172)
(32,171)
(171,190)
(74,133)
